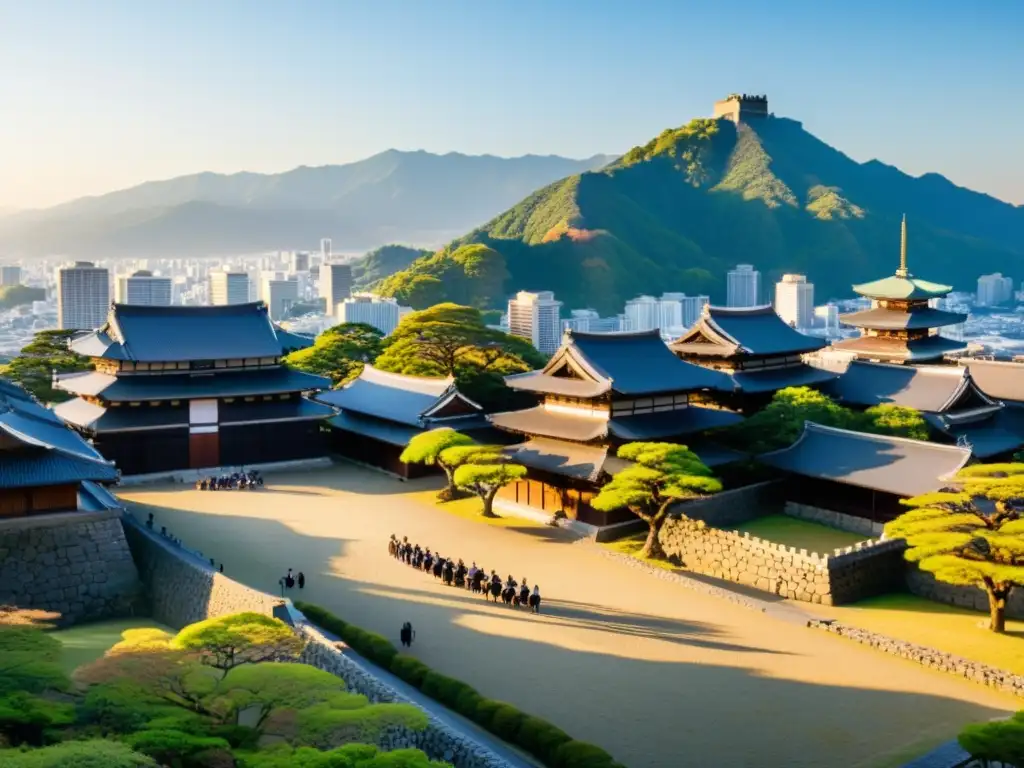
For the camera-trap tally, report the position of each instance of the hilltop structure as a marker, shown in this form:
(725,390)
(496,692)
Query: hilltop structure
(597,392)
(901,327)
(757,348)
(380,412)
(740,107)
(193,387)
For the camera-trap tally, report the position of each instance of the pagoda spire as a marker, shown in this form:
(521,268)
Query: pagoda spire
(902,271)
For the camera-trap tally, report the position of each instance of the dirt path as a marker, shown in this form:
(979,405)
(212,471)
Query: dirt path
(658,675)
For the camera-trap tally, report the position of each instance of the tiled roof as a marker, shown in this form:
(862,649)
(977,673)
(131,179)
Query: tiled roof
(392,396)
(889,464)
(1003,381)
(575,460)
(538,381)
(876,347)
(755,331)
(183,386)
(545,423)
(156,334)
(897,287)
(991,437)
(659,426)
(774,379)
(86,415)
(892,319)
(51,467)
(291,341)
(94,497)
(292,409)
(933,388)
(386,431)
(27,421)
(640,363)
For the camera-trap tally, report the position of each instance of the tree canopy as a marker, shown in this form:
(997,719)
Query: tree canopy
(433,448)
(339,352)
(226,642)
(17,295)
(468,274)
(484,473)
(996,742)
(34,366)
(661,475)
(971,534)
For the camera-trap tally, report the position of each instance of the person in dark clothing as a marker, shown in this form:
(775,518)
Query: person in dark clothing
(149,521)
(407,635)
(222,567)
(302,579)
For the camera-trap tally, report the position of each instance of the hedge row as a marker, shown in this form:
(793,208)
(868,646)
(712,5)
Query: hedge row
(551,745)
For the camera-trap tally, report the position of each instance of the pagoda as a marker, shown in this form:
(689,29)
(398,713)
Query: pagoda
(901,327)
(598,391)
(191,388)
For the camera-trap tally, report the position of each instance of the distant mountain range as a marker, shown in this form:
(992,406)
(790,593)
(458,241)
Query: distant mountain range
(678,212)
(414,197)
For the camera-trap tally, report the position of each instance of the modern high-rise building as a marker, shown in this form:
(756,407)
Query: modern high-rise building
(827,317)
(994,290)
(229,287)
(643,313)
(693,306)
(383,314)
(83,296)
(794,301)
(335,284)
(278,293)
(299,262)
(534,315)
(10,275)
(143,288)
(325,250)
(743,286)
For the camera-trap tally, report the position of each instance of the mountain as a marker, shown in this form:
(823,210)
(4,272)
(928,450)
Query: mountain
(678,212)
(405,196)
(382,262)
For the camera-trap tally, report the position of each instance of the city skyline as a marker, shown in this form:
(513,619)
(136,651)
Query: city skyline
(220,67)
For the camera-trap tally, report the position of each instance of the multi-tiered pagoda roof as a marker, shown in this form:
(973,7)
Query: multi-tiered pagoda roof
(901,327)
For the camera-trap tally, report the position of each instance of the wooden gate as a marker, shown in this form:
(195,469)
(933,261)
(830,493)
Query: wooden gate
(203,450)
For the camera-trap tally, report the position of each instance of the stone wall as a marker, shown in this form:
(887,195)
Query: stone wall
(737,506)
(925,585)
(76,564)
(867,528)
(182,588)
(438,740)
(866,569)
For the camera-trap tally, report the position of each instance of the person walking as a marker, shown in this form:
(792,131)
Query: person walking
(407,635)
(302,580)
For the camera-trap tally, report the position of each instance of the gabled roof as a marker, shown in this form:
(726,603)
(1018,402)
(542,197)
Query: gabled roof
(408,400)
(888,349)
(889,464)
(773,379)
(932,388)
(884,319)
(729,331)
(575,460)
(276,380)
(166,334)
(556,424)
(538,381)
(1001,380)
(628,363)
(389,432)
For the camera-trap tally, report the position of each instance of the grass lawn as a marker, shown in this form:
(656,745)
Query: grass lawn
(631,545)
(801,534)
(85,643)
(471,508)
(943,627)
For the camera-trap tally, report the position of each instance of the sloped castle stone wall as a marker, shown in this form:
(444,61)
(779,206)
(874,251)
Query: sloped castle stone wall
(866,569)
(76,564)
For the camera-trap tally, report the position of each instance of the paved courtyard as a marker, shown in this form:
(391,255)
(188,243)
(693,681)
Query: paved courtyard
(659,675)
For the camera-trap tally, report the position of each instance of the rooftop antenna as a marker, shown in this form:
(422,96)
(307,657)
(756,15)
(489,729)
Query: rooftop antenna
(902,271)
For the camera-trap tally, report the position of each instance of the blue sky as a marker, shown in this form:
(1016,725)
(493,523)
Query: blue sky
(101,95)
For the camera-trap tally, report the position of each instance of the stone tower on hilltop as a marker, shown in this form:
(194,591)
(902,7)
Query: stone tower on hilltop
(741,107)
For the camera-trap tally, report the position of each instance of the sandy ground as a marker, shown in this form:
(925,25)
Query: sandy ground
(659,675)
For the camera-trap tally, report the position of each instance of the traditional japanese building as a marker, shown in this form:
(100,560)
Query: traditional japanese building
(380,412)
(956,409)
(756,347)
(901,327)
(193,387)
(1003,381)
(45,467)
(597,392)
(860,474)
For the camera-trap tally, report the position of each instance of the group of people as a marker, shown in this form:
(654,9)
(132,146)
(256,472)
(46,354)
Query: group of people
(150,523)
(289,580)
(473,578)
(239,480)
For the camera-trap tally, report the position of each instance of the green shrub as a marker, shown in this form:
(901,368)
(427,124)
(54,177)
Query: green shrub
(410,669)
(468,702)
(370,645)
(322,618)
(506,722)
(484,713)
(446,690)
(540,738)
(170,746)
(580,754)
(238,736)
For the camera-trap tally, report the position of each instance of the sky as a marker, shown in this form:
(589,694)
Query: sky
(102,95)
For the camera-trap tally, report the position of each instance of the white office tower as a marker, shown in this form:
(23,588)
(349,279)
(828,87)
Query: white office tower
(994,290)
(533,315)
(83,296)
(827,316)
(229,287)
(335,284)
(325,250)
(743,286)
(10,275)
(643,313)
(794,301)
(580,320)
(670,314)
(142,287)
(693,306)
(299,262)
(382,313)
(278,293)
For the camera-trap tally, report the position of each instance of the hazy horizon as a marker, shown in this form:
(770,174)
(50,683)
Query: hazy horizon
(113,94)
